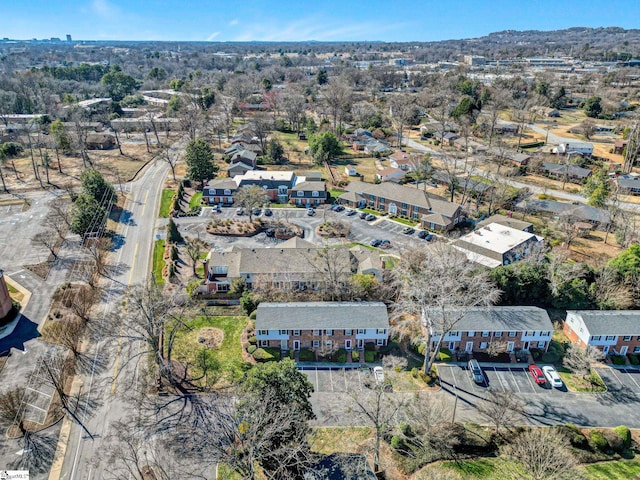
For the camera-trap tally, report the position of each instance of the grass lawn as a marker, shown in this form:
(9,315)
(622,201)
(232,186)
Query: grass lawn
(225,472)
(334,194)
(328,440)
(372,212)
(404,221)
(158,262)
(619,470)
(165,202)
(224,363)
(196,200)
(356,244)
(576,383)
(389,262)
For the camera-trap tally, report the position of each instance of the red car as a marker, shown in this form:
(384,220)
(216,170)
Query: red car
(538,376)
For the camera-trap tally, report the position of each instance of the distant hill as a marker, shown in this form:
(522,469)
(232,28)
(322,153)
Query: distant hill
(605,43)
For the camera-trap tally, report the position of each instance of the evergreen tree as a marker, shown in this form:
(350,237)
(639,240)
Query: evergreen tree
(199,158)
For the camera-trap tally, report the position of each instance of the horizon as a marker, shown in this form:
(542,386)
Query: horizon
(281,22)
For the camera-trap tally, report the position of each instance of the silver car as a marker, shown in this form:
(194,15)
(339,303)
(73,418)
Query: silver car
(476,371)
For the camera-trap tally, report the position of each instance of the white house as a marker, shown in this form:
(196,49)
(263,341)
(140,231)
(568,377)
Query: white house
(583,148)
(350,171)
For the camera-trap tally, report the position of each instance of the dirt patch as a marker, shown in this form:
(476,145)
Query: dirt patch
(210,337)
(236,228)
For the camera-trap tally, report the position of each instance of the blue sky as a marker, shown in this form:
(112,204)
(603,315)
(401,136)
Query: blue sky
(278,20)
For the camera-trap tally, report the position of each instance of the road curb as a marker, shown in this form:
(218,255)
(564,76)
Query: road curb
(63,439)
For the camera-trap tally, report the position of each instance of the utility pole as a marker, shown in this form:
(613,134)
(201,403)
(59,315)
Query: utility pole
(455,405)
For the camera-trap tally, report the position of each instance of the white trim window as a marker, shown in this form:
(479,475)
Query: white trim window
(283,332)
(497,334)
(361,331)
(329,343)
(296,333)
(263,332)
(627,338)
(610,337)
(381,342)
(316,343)
(264,343)
(485,334)
(316,332)
(348,332)
(541,344)
(381,331)
(315,193)
(512,334)
(300,193)
(328,333)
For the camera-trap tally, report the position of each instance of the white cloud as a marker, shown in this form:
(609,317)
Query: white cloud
(233,22)
(213,36)
(104,8)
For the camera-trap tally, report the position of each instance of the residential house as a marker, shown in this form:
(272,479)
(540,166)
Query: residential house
(239,168)
(100,141)
(376,147)
(506,329)
(220,191)
(470,146)
(292,265)
(519,159)
(247,157)
(350,171)
(322,326)
(390,174)
(446,138)
(403,161)
(619,146)
(494,245)
(629,183)
(584,213)
(507,128)
(240,146)
(276,184)
(615,332)
(434,212)
(583,148)
(309,193)
(545,111)
(507,221)
(559,171)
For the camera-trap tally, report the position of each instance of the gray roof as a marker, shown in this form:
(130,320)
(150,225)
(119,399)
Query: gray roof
(571,170)
(312,185)
(629,181)
(402,194)
(610,322)
(506,221)
(321,315)
(581,212)
(504,319)
(239,166)
(222,184)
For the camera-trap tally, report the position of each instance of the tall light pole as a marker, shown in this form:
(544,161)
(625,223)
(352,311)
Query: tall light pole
(455,405)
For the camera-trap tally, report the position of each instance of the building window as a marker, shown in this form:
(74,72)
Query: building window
(329,343)
(627,338)
(529,334)
(485,334)
(453,334)
(300,193)
(227,191)
(471,334)
(596,338)
(380,341)
(264,343)
(283,332)
(296,333)
(404,205)
(381,331)
(220,269)
(316,332)
(497,334)
(483,345)
(610,337)
(315,194)
(223,287)
(328,332)
(316,343)
(512,334)
(348,332)
(541,344)
(636,350)
(415,215)
(361,331)
(263,332)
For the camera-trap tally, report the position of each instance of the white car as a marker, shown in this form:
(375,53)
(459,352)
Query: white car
(378,373)
(552,376)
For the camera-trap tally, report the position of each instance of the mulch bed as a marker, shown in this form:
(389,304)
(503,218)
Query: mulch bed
(210,337)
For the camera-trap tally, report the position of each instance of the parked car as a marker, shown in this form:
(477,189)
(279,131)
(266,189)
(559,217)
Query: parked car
(351,212)
(476,371)
(239,211)
(370,217)
(385,244)
(375,242)
(334,207)
(257,212)
(363,215)
(378,374)
(537,375)
(408,230)
(267,212)
(270,232)
(340,208)
(552,376)
(311,212)
(425,235)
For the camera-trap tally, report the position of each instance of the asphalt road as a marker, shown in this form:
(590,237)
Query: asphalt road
(101,381)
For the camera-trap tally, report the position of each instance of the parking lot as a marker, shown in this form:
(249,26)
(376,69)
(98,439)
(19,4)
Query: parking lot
(338,380)
(621,380)
(507,379)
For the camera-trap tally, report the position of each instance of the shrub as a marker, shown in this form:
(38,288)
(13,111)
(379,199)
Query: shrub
(355,355)
(370,346)
(618,360)
(550,357)
(261,355)
(625,434)
(415,372)
(253,340)
(306,355)
(369,356)
(251,349)
(597,441)
(633,359)
(427,378)
(340,356)
(444,355)
(615,441)
(574,435)
(253,315)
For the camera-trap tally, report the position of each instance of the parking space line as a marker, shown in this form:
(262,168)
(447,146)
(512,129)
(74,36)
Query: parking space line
(630,373)
(499,379)
(331,380)
(533,387)
(514,380)
(613,372)
(344,372)
(317,381)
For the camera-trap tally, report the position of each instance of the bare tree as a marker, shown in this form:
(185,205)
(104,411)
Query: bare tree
(539,454)
(293,104)
(502,409)
(379,409)
(337,97)
(194,248)
(11,408)
(66,333)
(48,239)
(333,268)
(171,157)
(436,286)
(250,198)
(580,360)
(401,111)
(610,291)
(61,209)
(82,301)
(261,126)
